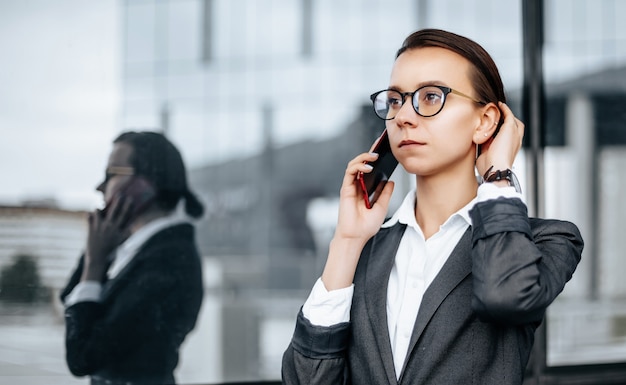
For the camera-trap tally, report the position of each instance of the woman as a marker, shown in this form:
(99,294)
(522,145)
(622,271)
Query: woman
(137,290)
(451,289)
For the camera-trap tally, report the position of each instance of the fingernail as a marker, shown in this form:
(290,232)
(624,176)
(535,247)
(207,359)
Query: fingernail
(369,166)
(374,154)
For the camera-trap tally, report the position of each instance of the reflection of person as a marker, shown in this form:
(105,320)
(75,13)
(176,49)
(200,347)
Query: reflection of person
(138,288)
(452,287)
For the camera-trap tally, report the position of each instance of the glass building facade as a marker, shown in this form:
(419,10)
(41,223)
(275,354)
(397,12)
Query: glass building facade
(268,100)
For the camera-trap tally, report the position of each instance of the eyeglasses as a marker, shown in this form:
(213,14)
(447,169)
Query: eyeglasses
(427,101)
(117,170)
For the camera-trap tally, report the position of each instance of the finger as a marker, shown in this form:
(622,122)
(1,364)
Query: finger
(511,120)
(125,212)
(509,116)
(506,111)
(362,158)
(359,165)
(113,208)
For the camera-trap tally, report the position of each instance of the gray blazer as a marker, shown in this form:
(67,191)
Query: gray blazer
(477,319)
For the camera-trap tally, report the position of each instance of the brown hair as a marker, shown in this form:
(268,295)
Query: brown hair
(157,159)
(484,74)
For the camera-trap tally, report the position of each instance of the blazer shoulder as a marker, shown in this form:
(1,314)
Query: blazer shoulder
(176,237)
(539,225)
(559,231)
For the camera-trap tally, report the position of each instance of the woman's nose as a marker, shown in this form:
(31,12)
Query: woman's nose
(407,115)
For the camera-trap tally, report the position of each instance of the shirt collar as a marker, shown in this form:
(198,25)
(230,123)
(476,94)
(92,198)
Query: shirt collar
(139,237)
(405,214)
(127,250)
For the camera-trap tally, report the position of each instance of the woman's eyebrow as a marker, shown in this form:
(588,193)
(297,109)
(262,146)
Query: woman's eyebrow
(419,85)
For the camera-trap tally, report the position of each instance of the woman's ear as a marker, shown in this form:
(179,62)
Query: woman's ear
(488,124)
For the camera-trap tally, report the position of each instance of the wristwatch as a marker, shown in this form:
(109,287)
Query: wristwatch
(496,175)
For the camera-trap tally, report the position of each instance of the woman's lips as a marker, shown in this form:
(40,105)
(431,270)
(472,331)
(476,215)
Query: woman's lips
(409,143)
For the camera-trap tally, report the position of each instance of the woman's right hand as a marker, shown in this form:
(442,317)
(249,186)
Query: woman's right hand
(356,224)
(106,230)
(356,221)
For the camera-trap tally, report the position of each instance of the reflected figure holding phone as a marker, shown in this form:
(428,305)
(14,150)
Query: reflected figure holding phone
(451,288)
(137,290)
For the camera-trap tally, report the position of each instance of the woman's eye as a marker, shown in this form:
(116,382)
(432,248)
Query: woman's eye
(432,97)
(394,101)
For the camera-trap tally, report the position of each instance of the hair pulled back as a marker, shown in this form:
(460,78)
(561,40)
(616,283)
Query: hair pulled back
(157,159)
(484,73)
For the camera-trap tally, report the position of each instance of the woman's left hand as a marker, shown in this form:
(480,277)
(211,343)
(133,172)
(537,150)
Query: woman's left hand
(500,151)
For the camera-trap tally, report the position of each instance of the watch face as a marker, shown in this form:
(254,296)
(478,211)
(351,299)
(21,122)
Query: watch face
(514,182)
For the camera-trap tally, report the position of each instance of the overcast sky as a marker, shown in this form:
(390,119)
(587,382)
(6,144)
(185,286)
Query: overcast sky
(59,98)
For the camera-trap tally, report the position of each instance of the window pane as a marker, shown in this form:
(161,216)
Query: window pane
(140,27)
(266,133)
(268,29)
(182,24)
(585,63)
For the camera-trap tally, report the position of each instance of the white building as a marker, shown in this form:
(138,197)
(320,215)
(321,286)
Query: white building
(53,237)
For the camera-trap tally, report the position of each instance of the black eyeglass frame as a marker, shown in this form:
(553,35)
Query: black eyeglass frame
(444,89)
(117,170)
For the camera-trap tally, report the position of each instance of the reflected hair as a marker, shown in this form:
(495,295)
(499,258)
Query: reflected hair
(484,73)
(157,159)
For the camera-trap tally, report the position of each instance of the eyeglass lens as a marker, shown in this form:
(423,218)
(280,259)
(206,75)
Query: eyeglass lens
(112,171)
(427,101)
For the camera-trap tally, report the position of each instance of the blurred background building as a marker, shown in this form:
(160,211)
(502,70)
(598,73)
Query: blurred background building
(44,234)
(268,100)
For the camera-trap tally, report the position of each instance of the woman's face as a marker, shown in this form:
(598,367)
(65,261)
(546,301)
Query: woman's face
(431,145)
(118,170)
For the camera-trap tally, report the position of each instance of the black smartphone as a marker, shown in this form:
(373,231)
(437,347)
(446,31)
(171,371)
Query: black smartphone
(372,183)
(141,192)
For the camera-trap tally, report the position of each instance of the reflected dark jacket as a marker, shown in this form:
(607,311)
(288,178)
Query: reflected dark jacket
(477,319)
(134,334)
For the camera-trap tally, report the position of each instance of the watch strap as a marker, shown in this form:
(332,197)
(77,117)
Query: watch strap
(497,175)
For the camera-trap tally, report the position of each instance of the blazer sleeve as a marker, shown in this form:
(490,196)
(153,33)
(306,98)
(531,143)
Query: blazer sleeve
(95,337)
(73,280)
(519,265)
(150,303)
(316,355)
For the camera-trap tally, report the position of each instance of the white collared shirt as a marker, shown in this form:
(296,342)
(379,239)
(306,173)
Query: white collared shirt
(122,255)
(417,263)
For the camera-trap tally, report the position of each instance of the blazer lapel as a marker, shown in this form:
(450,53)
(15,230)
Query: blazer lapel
(152,245)
(457,267)
(110,285)
(379,263)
